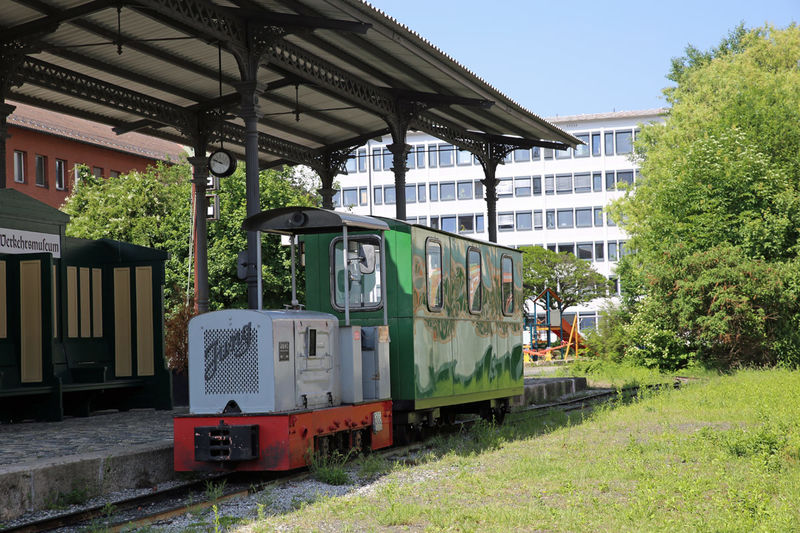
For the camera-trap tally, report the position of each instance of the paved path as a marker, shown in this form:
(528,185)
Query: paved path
(31,441)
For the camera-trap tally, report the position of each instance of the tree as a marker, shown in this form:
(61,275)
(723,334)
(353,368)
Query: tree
(574,279)
(153,208)
(715,218)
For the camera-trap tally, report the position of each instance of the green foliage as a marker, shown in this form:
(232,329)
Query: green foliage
(715,219)
(214,491)
(153,208)
(330,468)
(609,340)
(574,280)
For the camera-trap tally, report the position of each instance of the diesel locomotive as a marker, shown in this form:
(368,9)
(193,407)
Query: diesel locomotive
(404,328)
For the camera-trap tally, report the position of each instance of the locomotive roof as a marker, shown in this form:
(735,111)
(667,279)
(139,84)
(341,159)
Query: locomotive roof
(304,220)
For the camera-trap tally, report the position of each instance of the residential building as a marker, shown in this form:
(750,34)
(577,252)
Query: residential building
(44,148)
(554,199)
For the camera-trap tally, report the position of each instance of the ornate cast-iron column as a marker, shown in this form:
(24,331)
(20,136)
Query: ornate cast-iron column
(398,127)
(331,163)
(492,155)
(5,111)
(199,181)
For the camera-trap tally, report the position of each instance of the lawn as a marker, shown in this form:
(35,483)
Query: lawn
(717,455)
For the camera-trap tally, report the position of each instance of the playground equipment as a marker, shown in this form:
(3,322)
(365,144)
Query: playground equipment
(569,338)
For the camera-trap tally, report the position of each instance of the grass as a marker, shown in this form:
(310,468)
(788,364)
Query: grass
(330,469)
(722,454)
(608,374)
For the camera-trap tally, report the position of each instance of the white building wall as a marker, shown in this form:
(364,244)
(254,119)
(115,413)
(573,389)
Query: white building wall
(599,241)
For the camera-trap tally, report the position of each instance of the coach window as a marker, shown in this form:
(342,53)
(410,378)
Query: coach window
(363,273)
(19,166)
(433,263)
(474,279)
(508,285)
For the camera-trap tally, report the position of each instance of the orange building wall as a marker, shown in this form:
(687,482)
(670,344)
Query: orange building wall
(35,143)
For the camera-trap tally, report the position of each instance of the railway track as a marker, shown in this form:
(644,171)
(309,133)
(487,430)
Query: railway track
(140,511)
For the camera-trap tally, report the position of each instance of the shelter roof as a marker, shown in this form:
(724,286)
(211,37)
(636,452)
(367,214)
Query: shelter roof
(330,73)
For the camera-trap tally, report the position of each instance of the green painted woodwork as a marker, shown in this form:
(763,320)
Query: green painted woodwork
(438,357)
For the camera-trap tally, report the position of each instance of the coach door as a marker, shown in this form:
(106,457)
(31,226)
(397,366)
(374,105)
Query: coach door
(26,317)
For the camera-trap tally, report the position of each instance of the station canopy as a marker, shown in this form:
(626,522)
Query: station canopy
(330,74)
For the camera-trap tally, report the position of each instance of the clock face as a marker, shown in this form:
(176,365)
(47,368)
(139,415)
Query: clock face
(222,163)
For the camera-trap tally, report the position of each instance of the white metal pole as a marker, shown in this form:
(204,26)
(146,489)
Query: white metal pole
(294,276)
(383,279)
(346,278)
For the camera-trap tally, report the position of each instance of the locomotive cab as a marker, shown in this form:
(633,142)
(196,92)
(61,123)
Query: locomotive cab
(269,387)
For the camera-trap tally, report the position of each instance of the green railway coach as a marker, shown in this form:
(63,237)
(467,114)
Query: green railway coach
(454,313)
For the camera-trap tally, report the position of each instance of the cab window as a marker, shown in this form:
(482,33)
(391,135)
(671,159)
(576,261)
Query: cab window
(507,269)
(474,280)
(363,273)
(433,266)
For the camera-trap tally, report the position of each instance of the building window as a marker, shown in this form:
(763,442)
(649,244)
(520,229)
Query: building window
(598,216)
(350,197)
(566,247)
(433,156)
(537,220)
(363,196)
(376,159)
(61,174)
(351,166)
(19,166)
(411,220)
(434,190)
(463,158)
(423,221)
(582,150)
(479,223)
(465,190)
(420,156)
(411,194)
(113,173)
(507,271)
(337,199)
(609,220)
(447,191)
(474,280)
(522,156)
(377,196)
(505,188)
(505,222)
(564,154)
(609,142)
(610,180)
(548,153)
(411,159)
(97,172)
(478,189)
(387,159)
(507,158)
(585,250)
(362,159)
(435,222)
(612,250)
(551,219)
(41,171)
(449,223)
(598,251)
(624,140)
(535,153)
(595,144)
(537,185)
(522,186)
(564,184)
(583,183)
(625,176)
(597,181)
(421,192)
(466,223)
(565,218)
(445,155)
(552,247)
(583,217)
(524,221)
(433,264)
(389,195)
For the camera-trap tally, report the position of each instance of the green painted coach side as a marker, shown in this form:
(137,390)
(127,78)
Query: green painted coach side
(438,358)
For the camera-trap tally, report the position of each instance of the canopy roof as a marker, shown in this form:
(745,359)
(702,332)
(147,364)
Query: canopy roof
(331,71)
(303,220)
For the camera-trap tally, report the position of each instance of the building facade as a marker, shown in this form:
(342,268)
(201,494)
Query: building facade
(44,148)
(554,199)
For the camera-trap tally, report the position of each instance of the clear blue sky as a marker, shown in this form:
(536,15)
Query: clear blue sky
(565,58)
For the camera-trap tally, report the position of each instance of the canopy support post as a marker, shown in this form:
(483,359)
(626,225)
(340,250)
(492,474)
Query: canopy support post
(199,182)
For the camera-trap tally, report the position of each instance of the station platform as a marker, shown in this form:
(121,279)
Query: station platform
(42,463)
